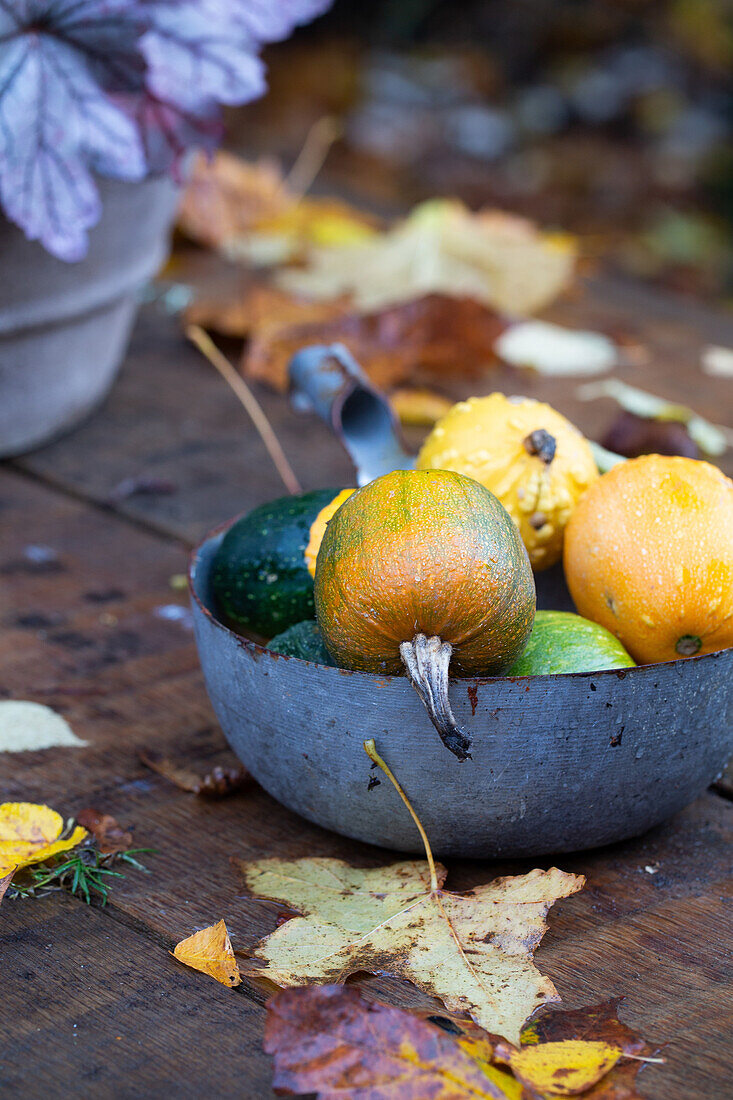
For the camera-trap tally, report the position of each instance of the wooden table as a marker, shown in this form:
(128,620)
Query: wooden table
(91,1003)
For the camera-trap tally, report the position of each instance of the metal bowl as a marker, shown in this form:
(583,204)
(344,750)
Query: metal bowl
(560,763)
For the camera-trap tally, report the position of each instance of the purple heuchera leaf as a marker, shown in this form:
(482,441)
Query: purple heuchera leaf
(121,88)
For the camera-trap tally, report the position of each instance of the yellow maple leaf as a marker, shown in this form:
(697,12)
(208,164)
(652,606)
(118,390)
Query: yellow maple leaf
(563,1068)
(472,950)
(210,951)
(31,833)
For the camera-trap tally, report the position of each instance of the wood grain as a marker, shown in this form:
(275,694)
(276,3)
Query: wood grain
(649,925)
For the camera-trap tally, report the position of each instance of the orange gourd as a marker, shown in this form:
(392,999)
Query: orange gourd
(649,555)
(423,567)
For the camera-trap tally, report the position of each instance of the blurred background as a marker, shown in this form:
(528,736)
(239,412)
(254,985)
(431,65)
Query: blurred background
(608,118)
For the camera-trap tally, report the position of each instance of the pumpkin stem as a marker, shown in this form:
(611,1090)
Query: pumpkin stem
(426,661)
(542,444)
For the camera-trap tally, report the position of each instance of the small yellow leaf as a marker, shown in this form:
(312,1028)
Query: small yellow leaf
(31,833)
(564,1068)
(210,951)
(419,408)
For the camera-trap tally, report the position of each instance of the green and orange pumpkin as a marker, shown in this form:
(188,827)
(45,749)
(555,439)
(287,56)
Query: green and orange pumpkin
(424,554)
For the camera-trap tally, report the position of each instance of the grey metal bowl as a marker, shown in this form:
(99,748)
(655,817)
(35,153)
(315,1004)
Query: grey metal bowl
(560,763)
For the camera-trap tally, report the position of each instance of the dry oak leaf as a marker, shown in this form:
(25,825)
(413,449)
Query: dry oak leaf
(210,951)
(108,834)
(498,259)
(218,783)
(472,950)
(31,833)
(431,337)
(258,311)
(331,1041)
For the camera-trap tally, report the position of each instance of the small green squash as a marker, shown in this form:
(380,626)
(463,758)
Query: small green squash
(561,642)
(305,641)
(260,575)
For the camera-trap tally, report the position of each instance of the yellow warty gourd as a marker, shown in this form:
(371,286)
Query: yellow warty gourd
(528,455)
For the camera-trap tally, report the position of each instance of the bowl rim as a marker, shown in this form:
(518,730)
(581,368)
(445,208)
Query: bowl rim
(260,651)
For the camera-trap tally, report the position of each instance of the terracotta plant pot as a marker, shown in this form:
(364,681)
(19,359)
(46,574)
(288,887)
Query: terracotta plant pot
(64,327)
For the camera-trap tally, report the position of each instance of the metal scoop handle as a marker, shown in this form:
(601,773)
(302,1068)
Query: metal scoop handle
(337,389)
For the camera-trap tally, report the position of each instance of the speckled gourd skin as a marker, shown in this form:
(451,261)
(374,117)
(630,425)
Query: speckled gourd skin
(484,439)
(428,552)
(260,575)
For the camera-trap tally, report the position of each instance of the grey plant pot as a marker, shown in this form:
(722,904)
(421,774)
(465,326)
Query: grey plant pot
(64,327)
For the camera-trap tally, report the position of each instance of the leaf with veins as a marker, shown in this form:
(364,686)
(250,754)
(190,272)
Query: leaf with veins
(472,950)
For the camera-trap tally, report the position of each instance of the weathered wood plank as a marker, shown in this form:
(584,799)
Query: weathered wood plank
(93,1008)
(650,924)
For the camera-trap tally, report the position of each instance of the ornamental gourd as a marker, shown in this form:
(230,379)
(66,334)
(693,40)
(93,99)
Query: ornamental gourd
(649,555)
(533,459)
(261,576)
(423,569)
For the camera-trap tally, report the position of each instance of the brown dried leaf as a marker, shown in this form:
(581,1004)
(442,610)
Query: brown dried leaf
(435,336)
(329,1040)
(472,950)
(218,783)
(632,435)
(226,196)
(6,879)
(210,951)
(260,312)
(108,834)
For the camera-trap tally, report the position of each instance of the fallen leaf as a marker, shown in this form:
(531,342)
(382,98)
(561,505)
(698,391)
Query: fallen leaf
(331,1041)
(717,361)
(141,486)
(595,1023)
(419,408)
(432,337)
(210,951)
(259,311)
(553,350)
(288,235)
(29,727)
(472,950)
(630,435)
(563,1068)
(218,783)
(246,211)
(710,438)
(225,196)
(6,880)
(108,834)
(498,259)
(31,833)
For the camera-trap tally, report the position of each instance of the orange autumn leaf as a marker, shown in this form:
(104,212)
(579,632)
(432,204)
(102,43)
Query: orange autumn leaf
(31,833)
(210,951)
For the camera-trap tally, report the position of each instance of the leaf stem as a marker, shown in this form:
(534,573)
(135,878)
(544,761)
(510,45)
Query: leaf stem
(371,750)
(210,351)
(316,147)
